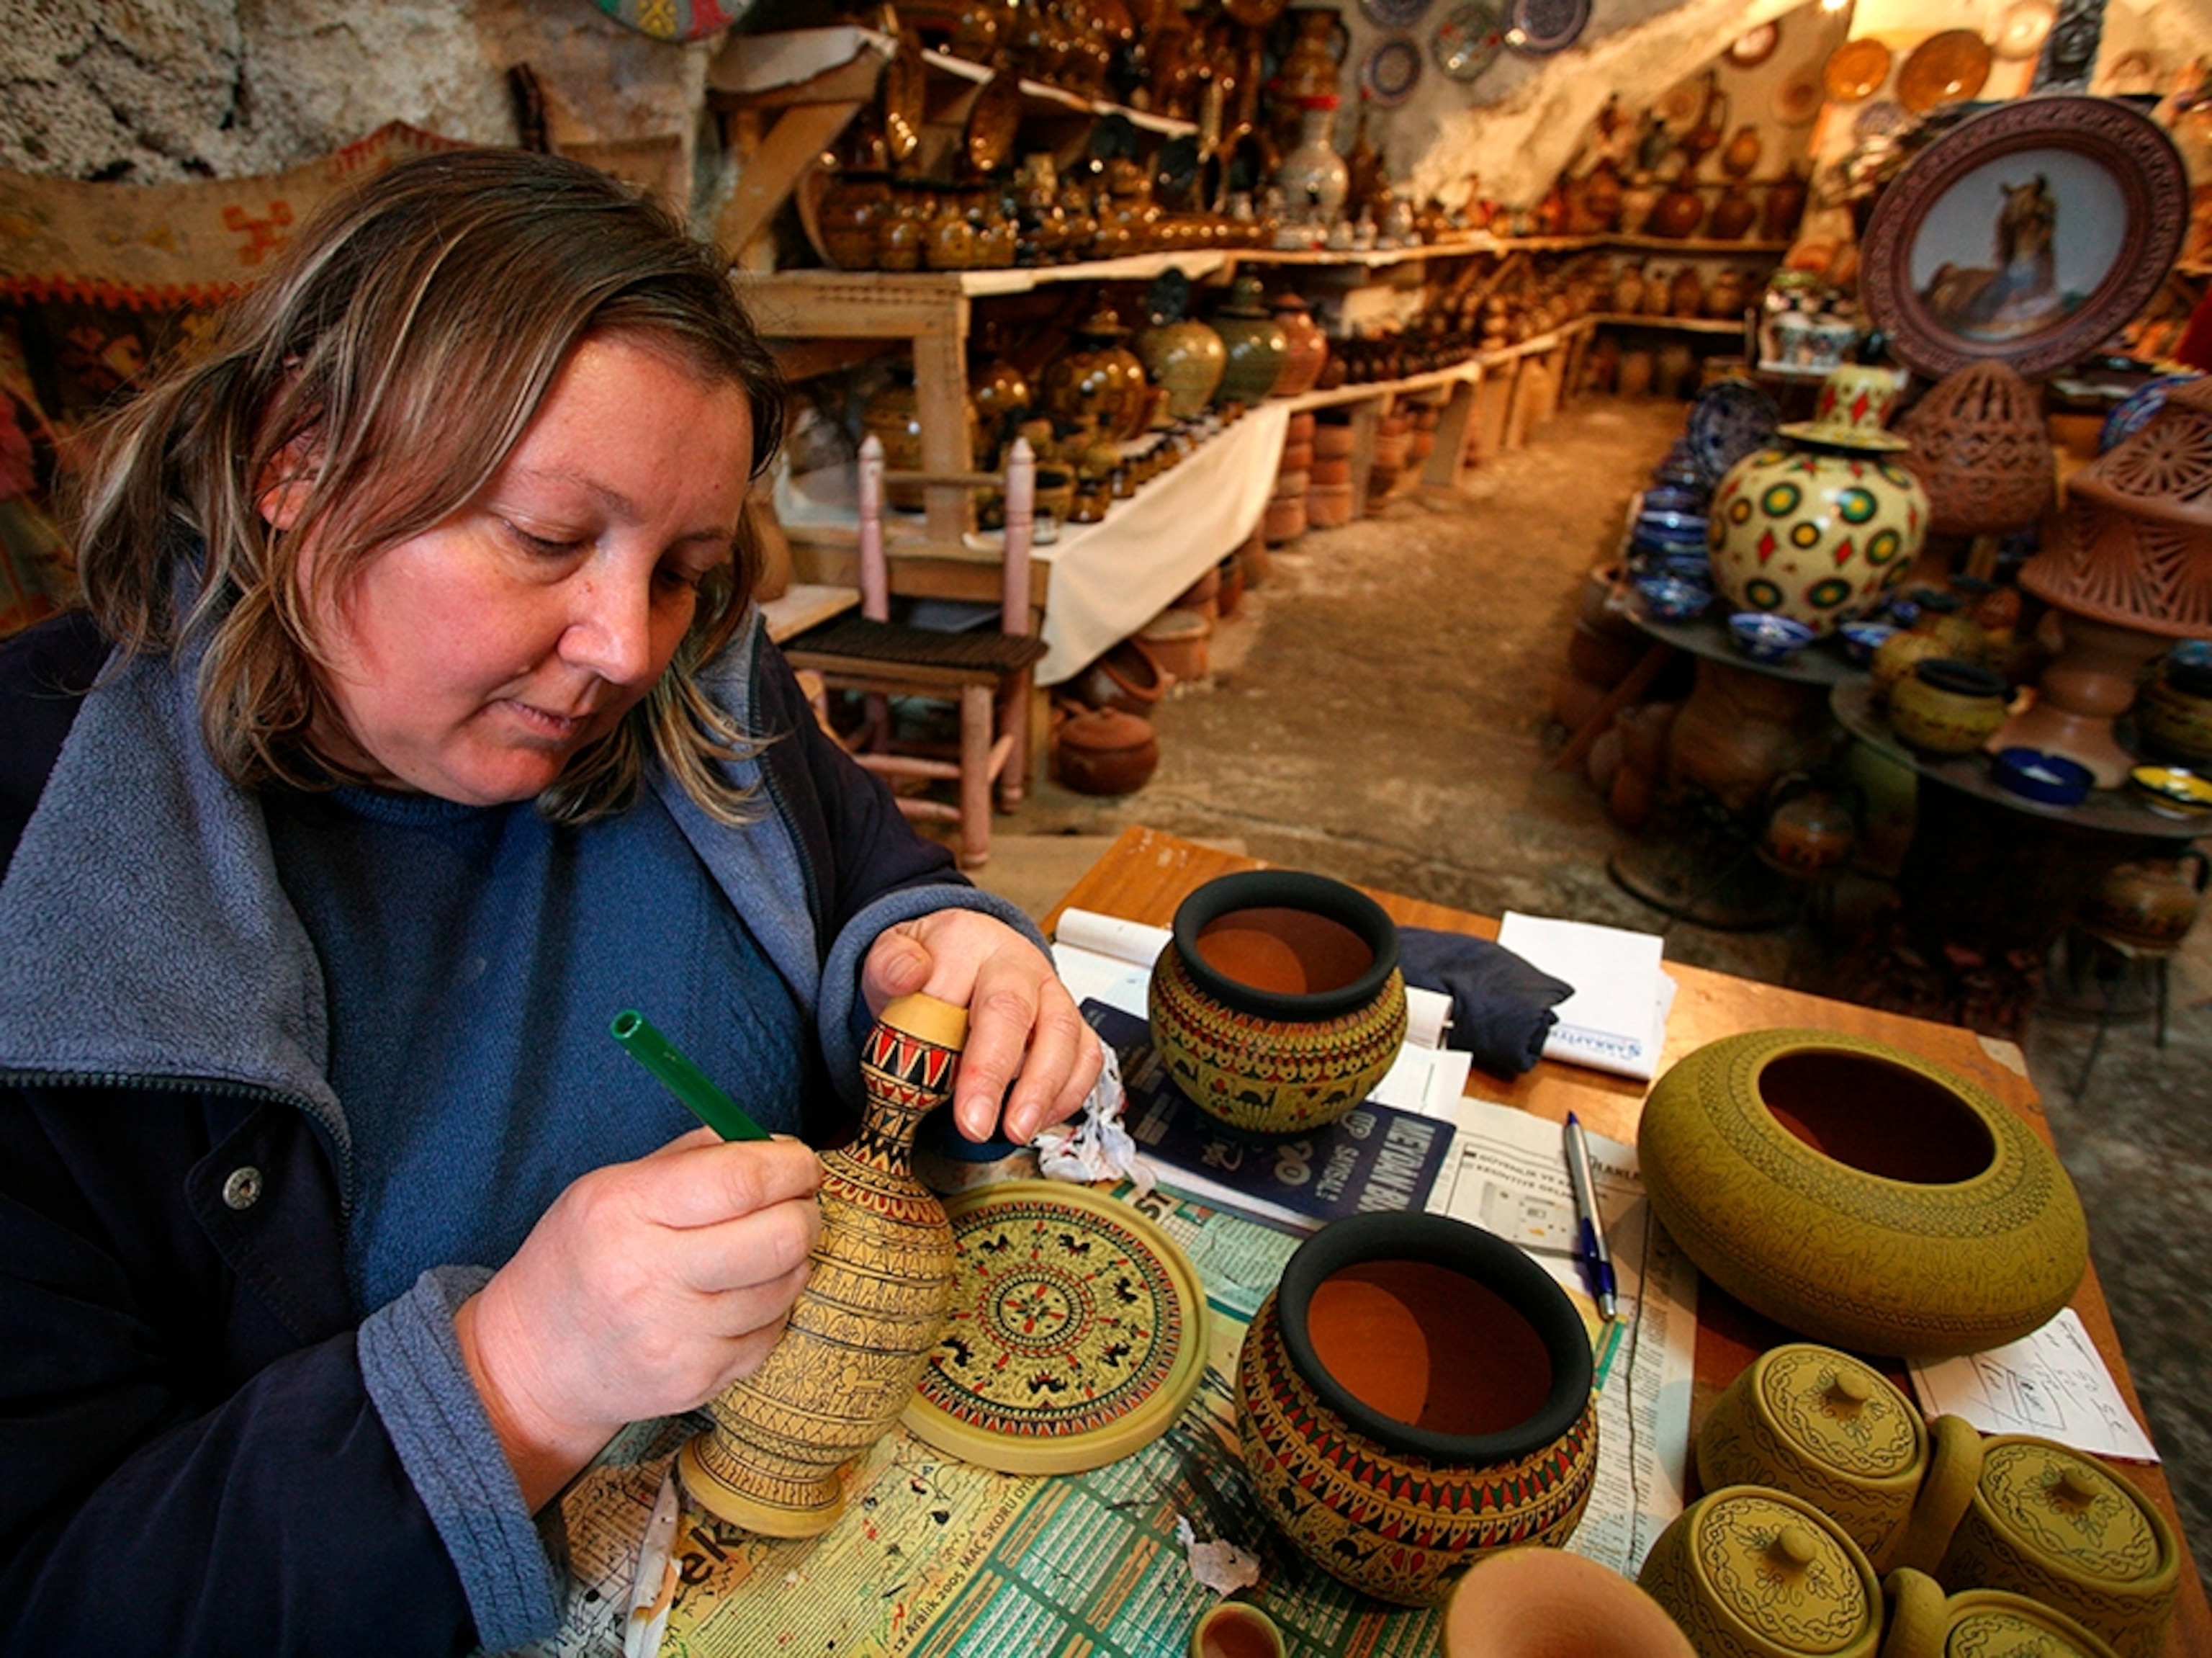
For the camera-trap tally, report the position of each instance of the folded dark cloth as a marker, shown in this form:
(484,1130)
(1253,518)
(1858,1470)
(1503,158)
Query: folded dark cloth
(1501,1005)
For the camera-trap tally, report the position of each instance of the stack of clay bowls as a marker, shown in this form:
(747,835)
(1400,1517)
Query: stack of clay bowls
(1329,495)
(1286,518)
(1393,454)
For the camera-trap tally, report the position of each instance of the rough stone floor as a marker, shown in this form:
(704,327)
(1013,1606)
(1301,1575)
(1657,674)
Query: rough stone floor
(1380,710)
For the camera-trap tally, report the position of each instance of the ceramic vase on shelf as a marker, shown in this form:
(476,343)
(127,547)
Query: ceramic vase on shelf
(1313,178)
(1415,1394)
(1821,527)
(893,415)
(1257,348)
(1182,356)
(1096,378)
(879,1289)
(1306,343)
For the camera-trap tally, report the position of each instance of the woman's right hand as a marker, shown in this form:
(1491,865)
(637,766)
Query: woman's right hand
(644,1290)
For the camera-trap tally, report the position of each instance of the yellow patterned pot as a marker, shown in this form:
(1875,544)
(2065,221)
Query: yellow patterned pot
(879,1289)
(1749,1572)
(1824,1426)
(1278,1005)
(1860,1194)
(1945,706)
(1923,1623)
(1415,1392)
(2056,1526)
(1820,527)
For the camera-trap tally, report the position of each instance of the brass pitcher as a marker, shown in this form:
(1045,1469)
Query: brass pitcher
(879,1289)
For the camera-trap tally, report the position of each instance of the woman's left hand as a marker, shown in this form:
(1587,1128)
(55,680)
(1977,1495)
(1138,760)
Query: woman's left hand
(1023,1027)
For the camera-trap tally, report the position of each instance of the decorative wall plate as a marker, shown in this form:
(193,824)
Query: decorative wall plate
(2031,232)
(1728,420)
(1798,98)
(1077,1332)
(1538,28)
(1393,14)
(1754,46)
(1947,68)
(1883,118)
(1390,72)
(1855,70)
(1468,41)
(2023,27)
(677,20)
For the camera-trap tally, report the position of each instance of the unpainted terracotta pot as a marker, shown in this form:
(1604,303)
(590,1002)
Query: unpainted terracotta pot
(1127,677)
(1285,520)
(2150,903)
(1179,641)
(1276,1004)
(1103,751)
(1860,1195)
(1329,505)
(1530,1602)
(1415,1393)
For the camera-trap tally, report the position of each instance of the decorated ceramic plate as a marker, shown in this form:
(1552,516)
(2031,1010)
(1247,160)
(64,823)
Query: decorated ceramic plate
(1468,41)
(1393,14)
(1754,46)
(1390,71)
(2023,28)
(1728,420)
(1540,28)
(1855,70)
(1798,98)
(1947,68)
(676,19)
(1077,1332)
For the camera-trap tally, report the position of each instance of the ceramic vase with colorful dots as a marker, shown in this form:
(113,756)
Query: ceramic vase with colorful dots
(1819,527)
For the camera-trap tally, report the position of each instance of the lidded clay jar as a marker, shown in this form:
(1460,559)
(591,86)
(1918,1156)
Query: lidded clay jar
(2054,1525)
(1098,378)
(1829,1428)
(1751,1572)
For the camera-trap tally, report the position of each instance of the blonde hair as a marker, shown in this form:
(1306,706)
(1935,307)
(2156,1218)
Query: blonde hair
(405,340)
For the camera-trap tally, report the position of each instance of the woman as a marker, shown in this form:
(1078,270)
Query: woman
(424,725)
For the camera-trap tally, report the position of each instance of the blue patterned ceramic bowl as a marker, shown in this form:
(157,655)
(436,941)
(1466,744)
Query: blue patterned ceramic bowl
(2033,775)
(1670,598)
(1765,637)
(1861,639)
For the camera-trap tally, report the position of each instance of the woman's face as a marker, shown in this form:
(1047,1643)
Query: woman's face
(473,661)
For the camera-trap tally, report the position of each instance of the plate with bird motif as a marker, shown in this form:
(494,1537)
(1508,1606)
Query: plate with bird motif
(1077,1335)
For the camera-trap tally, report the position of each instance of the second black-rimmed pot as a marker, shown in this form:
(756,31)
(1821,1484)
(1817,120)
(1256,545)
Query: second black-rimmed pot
(1415,1392)
(1277,1005)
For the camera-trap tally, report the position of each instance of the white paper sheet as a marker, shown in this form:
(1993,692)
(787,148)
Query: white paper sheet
(1616,1020)
(2053,1383)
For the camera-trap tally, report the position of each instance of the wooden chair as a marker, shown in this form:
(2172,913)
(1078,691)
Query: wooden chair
(986,671)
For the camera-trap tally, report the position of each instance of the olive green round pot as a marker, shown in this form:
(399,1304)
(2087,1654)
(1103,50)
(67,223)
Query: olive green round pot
(1860,1195)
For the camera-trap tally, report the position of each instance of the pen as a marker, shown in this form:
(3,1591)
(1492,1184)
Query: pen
(682,1078)
(1597,1258)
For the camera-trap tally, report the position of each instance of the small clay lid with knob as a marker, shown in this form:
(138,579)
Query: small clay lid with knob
(1840,1413)
(1778,1568)
(2081,1520)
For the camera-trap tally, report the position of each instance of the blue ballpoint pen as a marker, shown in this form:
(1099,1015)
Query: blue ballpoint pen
(1597,1257)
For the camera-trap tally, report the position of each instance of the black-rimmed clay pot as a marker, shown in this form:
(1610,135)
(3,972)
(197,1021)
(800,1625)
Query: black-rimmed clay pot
(1278,1005)
(1415,1392)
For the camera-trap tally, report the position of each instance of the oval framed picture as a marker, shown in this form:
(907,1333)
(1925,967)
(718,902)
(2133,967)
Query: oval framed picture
(2030,233)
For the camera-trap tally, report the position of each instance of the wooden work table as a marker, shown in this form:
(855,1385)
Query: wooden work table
(1145,874)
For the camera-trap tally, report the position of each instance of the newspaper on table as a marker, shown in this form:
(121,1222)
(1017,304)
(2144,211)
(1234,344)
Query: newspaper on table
(1508,1174)
(2051,1382)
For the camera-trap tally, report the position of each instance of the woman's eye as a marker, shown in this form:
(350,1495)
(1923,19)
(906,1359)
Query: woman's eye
(549,545)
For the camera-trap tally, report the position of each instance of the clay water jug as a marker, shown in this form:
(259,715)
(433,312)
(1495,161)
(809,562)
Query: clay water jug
(1785,204)
(1740,159)
(1257,349)
(2149,903)
(1306,343)
(1678,212)
(1628,290)
(1686,296)
(1733,215)
(879,1289)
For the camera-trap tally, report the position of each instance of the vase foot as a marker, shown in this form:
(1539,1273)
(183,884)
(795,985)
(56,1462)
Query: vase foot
(719,1485)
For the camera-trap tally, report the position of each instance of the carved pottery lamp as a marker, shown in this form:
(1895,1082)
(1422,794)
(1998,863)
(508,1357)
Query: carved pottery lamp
(879,1289)
(2129,561)
(1982,448)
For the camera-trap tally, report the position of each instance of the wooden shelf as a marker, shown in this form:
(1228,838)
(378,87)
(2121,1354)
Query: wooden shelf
(1044,93)
(1680,324)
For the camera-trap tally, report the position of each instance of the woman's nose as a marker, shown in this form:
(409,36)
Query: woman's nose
(610,629)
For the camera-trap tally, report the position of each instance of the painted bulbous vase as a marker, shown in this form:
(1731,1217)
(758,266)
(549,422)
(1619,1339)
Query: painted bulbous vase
(1920,1621)
(1748,1572)
(878,1292)
(2048,1522)
(1861,1196)
(2150,903)
(1257,347)
(1819,527)
(1276,1004)
(1413,1394)
(1188,358)
(1097,379)
(1832,1430)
